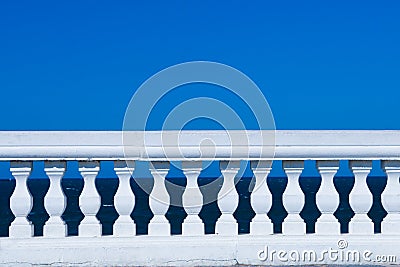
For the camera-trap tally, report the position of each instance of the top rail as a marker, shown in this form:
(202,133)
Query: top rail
(151,145)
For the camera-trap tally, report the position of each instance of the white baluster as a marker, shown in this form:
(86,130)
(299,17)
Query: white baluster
(159,200)
(192,199)
(55,201)
(261,199)
(228,199)
(124,200)
(21,200)
(327,199)
(360,199)
(391,198)
(293,199)
(89,200)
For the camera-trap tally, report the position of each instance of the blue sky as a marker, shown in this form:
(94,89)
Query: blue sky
(320,64)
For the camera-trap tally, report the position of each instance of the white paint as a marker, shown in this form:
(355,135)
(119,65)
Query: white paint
(290,145)
(192,199)
(228,199)
(159,200)
(124,200)
(89,200)
(293,199)
(391,198)
(194,248)
(209,250)
(327,199)
(360,199)
(21,200)
(261,199)
(55,201)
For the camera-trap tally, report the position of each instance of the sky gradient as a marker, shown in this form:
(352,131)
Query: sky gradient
(320,64)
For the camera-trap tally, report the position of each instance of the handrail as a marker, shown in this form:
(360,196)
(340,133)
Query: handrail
(288,145)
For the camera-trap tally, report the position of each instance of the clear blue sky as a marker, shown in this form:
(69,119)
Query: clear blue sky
(320,64)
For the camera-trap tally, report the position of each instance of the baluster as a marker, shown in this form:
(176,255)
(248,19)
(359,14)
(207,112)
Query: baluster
(391,198)
(89,200)
(360,199)
(55,201)
(228,199)
(124,200)
(293,199)
(192,199)
(21,200)
(261,199)
(159,200)
(327,199)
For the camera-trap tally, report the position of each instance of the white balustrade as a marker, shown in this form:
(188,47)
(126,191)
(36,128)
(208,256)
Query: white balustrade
(124,199)
(327,199)
(55,200)
(228,199)
(192,199)
(261,199)
(293,199)
(89,200)
(21,200)
(159,248)
(159,200)
(360,199)
(391,198)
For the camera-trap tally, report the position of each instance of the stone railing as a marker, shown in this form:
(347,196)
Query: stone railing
(327,244)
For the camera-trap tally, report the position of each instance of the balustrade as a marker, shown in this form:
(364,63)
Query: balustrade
(124,200)
(159,200)
(293,198)
(360,199)
(327,199)
(391,198)
(293,156)
(55,200)
(228,199)
(261,199)
(192,199)
(21,200)
(89,200)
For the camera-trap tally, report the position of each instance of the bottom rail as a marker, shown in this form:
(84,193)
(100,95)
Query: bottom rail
(210,250)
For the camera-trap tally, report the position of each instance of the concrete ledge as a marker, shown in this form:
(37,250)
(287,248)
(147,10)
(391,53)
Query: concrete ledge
(209,250)
(284,145)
